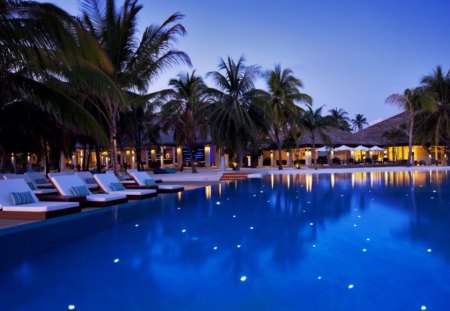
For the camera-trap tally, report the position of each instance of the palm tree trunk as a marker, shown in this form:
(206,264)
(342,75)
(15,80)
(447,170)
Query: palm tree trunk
(98,158)
(277,137)
(314,153)
(191,151)
(113,141)
(410,141)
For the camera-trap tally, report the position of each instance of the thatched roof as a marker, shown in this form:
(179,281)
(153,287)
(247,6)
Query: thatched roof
(373,135)
(336,136)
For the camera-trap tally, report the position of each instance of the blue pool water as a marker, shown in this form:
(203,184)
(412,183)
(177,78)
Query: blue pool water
(363,241)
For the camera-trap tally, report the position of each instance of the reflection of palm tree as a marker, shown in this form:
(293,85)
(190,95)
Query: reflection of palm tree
(284,93)
(359,121)
(232,124)
(187,112)
(413,102)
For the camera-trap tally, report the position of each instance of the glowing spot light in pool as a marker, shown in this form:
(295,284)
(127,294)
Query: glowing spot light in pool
(364,250)
(215,248)
(183,231)
(243,278)
(72,307)
(251,228)
(350,286)
(218,203)
(116,260)
(423,307)
(319,277)
(136,225)
(238,246)
(429,250)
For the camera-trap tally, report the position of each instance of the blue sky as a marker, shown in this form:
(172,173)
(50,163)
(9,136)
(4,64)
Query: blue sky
(350,54)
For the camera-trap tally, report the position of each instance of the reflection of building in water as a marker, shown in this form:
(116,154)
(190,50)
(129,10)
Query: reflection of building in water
(208,192)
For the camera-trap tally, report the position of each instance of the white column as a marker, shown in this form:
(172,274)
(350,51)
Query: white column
(161,158)
(146,158)
(207,156)
(288,160)
(227,160)
(308,158)
(62,161)
(180,157)
(271,158)
(249,161)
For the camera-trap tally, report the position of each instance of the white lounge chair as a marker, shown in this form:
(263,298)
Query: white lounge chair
(110,184)
(91,186)
(28,206)
(134,170)
(39,179)
(37,191)
(144,180)
(88,178)
(72,187)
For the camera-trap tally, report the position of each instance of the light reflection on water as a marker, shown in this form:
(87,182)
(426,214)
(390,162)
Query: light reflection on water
(362,241)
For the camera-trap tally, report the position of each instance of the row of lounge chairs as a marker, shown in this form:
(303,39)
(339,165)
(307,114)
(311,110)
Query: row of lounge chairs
(65,193)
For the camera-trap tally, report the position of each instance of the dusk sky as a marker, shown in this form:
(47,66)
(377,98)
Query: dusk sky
(350,54)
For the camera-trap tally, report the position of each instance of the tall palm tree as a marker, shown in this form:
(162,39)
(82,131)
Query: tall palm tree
(135,63)
(358,122)
(437,121)
(232,124)
(338,118)
(412,101)
(187,112)
(315,124)
(284,89)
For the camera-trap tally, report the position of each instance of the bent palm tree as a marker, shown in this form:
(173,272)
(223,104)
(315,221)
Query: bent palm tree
(284,91)
(187,112)
(232,124)
(359,121)
(412,101)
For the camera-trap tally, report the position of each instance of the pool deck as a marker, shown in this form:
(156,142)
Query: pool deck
(210,176)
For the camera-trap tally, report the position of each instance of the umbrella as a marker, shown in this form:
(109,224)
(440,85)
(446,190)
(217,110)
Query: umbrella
(343,148)
(376,148)
(324,149)
(361,147)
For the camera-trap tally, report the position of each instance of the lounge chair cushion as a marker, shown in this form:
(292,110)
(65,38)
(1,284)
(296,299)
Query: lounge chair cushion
(41,181)
(80,191)
(90,180)
(117,186)
(19,198)
(31,185)
(150,182)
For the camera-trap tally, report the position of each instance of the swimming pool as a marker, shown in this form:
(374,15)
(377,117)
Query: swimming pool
(362,241)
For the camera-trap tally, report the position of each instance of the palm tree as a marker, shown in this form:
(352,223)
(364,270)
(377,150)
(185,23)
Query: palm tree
(413,101)
(338,118)
(315,124)
(134,63)
(187,112)
(359,121)
(36,43)
(284,91)
(394,136)
(232,124)
(437,121)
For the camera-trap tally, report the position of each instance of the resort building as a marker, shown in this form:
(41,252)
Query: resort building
(368,146)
